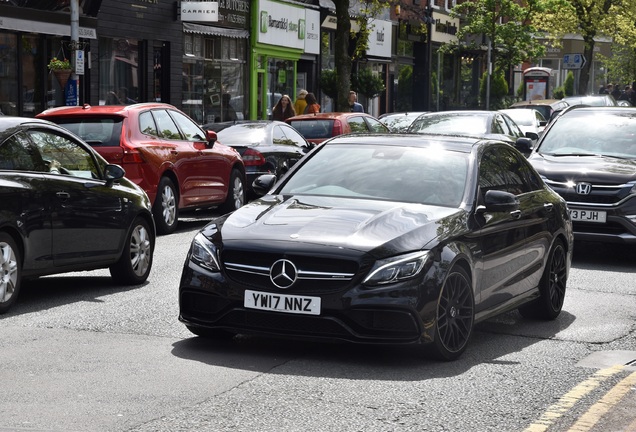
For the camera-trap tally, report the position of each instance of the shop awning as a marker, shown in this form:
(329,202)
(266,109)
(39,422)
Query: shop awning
(215,31)
(51,28)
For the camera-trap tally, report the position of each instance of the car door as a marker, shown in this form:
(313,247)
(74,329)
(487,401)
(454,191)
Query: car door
(88,221)
(206,170)
(23,203)
(503,237)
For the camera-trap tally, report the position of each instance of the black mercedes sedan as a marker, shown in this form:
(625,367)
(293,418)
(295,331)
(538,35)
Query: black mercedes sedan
(63,208)
(588,156)
(391,239)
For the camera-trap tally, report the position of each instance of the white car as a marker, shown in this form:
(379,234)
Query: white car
(528,120)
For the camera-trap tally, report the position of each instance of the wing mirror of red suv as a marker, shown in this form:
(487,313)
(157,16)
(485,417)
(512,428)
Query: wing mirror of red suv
(210,136)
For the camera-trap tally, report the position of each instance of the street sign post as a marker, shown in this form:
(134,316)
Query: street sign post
(573,61)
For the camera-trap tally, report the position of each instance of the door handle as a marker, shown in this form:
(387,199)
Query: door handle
(516,214)
(63,195)
(548,207)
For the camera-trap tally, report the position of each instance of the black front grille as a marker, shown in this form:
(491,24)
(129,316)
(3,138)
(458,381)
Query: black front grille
(317,275)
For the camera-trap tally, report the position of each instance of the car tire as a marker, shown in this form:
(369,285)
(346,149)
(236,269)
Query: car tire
(208,333)
(235,193)
(551,287)
(166,207)
(10,272)
(455,316)
(135,262)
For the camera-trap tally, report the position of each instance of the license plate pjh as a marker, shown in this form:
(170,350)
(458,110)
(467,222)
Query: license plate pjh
(588,215)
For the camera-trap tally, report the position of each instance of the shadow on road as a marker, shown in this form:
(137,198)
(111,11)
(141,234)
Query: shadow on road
(491,341)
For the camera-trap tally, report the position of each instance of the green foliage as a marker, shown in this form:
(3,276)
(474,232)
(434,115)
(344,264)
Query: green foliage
(367,83)
(568,85)
(498,90)
(506,24)
(559,92)
(405,89)
(520,89)
(329,83)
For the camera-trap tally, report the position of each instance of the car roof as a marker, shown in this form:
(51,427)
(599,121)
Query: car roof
(88,110)
(9,124)
(537,102)
(330,115)
(457,143)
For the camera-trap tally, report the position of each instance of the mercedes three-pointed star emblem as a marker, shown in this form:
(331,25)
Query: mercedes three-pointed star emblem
(283,273)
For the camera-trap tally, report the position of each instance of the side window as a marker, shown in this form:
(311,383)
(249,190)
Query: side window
(64,156)
(501,169)
(500,126)
(514,128)
(165,125)
(294,136)
(18,153)
(147,124)
(191,131)
(357,124)
(278,136)
(376,126)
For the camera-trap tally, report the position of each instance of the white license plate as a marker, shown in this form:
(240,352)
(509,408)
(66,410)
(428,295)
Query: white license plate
(282,303)
(588,216)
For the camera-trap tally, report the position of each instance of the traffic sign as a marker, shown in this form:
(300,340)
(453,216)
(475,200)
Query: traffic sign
(573,61)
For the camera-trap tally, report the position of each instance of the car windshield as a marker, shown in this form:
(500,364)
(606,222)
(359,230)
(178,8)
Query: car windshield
(244,134)
(521,117)
(406,174)
(399,122)
(451,124)
(592,133)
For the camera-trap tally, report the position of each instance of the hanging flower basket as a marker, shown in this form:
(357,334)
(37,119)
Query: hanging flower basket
(62,76)
(61,69)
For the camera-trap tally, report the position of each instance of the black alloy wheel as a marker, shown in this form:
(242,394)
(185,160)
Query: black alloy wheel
(10,272)
(455,316)
(551,287)
(135,263)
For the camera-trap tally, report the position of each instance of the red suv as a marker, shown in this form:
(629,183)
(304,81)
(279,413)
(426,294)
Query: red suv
(316,128)
(178,164)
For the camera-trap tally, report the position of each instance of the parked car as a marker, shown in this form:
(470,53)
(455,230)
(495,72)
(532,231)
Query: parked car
(317,128)
(547,107)
(392,239)
(528,120)
(591,100)
(267,147)
(64,208)
(400,122)
(475,123)
(178,164)
(588,156)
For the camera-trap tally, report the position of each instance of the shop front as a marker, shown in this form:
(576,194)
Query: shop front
(29,39)
(280,43)
(215,60)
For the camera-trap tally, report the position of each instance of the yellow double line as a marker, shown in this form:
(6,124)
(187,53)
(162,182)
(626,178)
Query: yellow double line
(587,421)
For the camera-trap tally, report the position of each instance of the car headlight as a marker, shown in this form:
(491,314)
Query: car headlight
(203,253)
(396,269)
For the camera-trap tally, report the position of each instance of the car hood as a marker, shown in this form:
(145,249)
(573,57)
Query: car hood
(599,169)
(355,224)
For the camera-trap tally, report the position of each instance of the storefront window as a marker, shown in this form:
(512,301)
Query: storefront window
(118,71)
(8,74)
(280,82)
(213,83)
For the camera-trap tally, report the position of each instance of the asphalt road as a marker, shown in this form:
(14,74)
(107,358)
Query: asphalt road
(80,354)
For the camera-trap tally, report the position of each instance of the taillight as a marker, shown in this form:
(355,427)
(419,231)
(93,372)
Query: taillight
(132,156)
(252,157)
(337,128)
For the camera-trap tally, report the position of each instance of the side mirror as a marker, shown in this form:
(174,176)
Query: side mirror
(524,145)
(532,135)
(113,172)
(500,201)
(264,183)
(210,136)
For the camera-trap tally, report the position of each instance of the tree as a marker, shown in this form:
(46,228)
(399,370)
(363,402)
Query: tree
(506,24)
(366,10)
(588,18)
